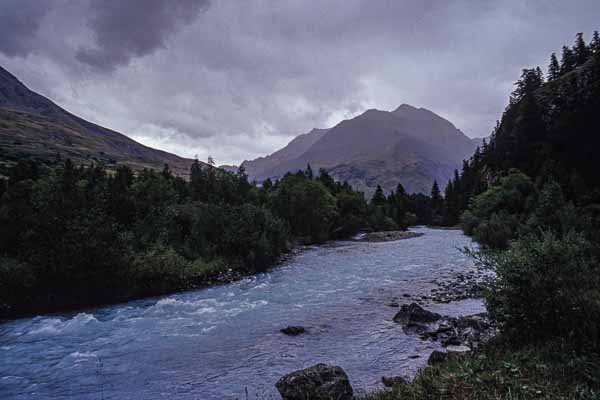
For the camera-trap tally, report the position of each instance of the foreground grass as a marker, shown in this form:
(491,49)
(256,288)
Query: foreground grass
(497,372)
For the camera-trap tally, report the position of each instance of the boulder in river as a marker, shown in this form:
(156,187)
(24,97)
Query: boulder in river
(293,330)
(320,382)
(414,314)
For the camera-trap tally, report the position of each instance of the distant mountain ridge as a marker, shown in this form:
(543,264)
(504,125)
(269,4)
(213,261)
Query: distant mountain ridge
(409,145)
(34,126)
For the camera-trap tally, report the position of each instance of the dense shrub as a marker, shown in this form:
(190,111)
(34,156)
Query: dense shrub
(552,371)
(497,230)
(495,216)
(162,269)
(306,205)
(547,286)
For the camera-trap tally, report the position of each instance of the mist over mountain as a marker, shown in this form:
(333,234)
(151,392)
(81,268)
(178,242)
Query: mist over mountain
(409,145)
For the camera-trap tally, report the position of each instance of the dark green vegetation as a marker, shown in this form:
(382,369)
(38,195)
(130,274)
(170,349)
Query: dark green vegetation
(499,371)
(531,197)
(73,236)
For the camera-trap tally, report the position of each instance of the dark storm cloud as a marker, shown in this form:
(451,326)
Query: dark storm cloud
(19,21)
(236,79)
(134,28)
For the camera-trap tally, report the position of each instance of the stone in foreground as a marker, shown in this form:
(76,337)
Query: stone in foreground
(320,382)
(415,314)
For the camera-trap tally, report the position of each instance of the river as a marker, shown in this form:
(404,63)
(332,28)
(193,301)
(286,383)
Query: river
(224,342)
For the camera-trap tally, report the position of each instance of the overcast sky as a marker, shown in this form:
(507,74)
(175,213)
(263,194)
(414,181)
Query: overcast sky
(237,79)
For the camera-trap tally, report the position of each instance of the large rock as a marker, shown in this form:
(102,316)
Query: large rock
(414,314)
(469,330)
(320,382)
(293,330)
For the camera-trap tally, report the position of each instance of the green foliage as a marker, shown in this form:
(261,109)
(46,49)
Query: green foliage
(496,215)
(568,60)
(551,371)
(306,205)
(580,50)
(378,197)
(161,269)
(540,231)
(553,68)
(548,286)
(352,213)
(75,236)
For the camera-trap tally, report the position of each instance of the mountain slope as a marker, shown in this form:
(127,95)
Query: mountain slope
(262,166)
(33,126)
(408,145)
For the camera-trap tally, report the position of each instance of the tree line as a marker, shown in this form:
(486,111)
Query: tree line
(73,236)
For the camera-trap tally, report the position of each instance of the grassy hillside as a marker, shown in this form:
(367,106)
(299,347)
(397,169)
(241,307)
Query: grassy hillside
(29,136)
(33,127)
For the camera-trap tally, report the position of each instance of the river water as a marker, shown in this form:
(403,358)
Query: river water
(224,342)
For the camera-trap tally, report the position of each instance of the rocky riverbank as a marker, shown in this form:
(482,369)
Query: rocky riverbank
(458,335)
(385,236)
(466,332)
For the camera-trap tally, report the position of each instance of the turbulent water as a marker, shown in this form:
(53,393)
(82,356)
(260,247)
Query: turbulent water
(224,342)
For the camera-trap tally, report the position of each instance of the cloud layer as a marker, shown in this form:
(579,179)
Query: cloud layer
(237,79)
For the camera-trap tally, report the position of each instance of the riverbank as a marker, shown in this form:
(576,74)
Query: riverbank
(385,236)
(198,277)
(500,371)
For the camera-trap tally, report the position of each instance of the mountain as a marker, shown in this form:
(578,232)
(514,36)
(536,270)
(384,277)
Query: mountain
(33,126)
(262,167)
(409,145)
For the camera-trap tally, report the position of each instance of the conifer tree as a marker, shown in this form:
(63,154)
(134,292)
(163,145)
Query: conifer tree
(595,43)
(309,171)
(436,198)
(553,68)
(378,197)
(567,62)
(166,172)
(580,50)
(400,191)
(531,79)
(197,181)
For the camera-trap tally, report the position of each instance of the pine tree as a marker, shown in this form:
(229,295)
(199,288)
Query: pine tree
(531,79)
(580,50)
(166,172)
(539,74)
(567,62)
(436,198)
(378,197)
(553,68)
(595,43)
(197,181)
(400,190)
(309,171)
